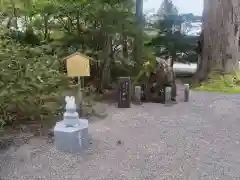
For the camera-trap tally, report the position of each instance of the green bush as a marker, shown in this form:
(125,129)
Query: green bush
(30,83)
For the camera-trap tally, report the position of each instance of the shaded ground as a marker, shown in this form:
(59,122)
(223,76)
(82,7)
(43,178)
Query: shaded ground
(199,140)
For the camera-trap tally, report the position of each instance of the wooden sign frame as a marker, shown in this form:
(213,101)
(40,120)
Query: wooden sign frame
(77,65)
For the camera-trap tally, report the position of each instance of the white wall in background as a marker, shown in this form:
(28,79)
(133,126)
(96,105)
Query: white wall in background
(185,68)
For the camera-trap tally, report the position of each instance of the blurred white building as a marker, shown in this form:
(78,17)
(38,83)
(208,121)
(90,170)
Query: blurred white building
(192,29)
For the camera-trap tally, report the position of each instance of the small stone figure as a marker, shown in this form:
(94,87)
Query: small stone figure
(70,103)
(70,117)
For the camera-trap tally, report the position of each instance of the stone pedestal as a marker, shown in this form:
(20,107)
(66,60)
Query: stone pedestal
(71,138)
(71,119)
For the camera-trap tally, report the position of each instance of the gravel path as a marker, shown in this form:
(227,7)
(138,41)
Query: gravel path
(199,140)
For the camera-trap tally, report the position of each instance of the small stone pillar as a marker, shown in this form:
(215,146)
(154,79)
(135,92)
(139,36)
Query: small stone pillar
(168,94)
(71,134)
(186,92)
(138,94)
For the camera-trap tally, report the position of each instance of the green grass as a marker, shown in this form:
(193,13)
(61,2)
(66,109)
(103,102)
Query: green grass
(225,84)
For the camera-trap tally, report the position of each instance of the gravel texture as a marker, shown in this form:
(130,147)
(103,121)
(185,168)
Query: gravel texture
(198,140)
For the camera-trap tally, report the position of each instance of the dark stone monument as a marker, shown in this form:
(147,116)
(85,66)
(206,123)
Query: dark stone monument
(124,92)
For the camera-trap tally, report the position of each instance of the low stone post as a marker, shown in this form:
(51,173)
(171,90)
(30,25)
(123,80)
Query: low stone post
(186,92)
(138,94)
(168,93)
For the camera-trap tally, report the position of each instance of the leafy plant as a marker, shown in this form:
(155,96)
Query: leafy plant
(30,83)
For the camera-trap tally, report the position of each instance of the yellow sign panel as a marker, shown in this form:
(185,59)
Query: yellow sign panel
(77,65)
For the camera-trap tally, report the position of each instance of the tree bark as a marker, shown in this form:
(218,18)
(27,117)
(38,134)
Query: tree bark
(125,46)
(220,37)
(138,40)
(106,71)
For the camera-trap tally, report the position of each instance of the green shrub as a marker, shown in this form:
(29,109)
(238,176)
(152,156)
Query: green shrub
(30,83)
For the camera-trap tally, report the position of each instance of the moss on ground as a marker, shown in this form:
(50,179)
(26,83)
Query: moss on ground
(221,83)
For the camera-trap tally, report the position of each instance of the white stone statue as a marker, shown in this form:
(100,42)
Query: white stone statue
(70,103)
(70,117)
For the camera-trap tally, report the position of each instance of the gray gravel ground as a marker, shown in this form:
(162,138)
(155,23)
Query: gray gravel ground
(199,140)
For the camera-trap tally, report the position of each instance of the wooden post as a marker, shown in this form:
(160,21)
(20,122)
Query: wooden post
(79,92)
(79,96)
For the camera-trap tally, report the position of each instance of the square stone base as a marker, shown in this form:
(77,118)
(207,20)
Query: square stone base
(71,139)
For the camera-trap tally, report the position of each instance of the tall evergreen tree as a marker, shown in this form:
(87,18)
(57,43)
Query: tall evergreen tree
(171,41)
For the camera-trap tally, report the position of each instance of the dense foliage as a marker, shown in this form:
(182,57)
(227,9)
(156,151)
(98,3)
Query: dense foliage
(30,82)
(172,40)
(36,35)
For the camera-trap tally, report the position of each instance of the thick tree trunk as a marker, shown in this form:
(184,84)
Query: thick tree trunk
(220,37)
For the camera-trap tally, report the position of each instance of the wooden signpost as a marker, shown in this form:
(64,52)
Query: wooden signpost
(78,66)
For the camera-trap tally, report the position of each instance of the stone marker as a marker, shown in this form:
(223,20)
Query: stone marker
(71,134)
(124,92)
(168,92)
(138,94)
(186,92)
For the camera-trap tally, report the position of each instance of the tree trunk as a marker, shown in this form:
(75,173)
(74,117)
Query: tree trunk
(125,46)
(78,24)
(15,17)
(220,37)
(138,40)
(106,69)
(173,58)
